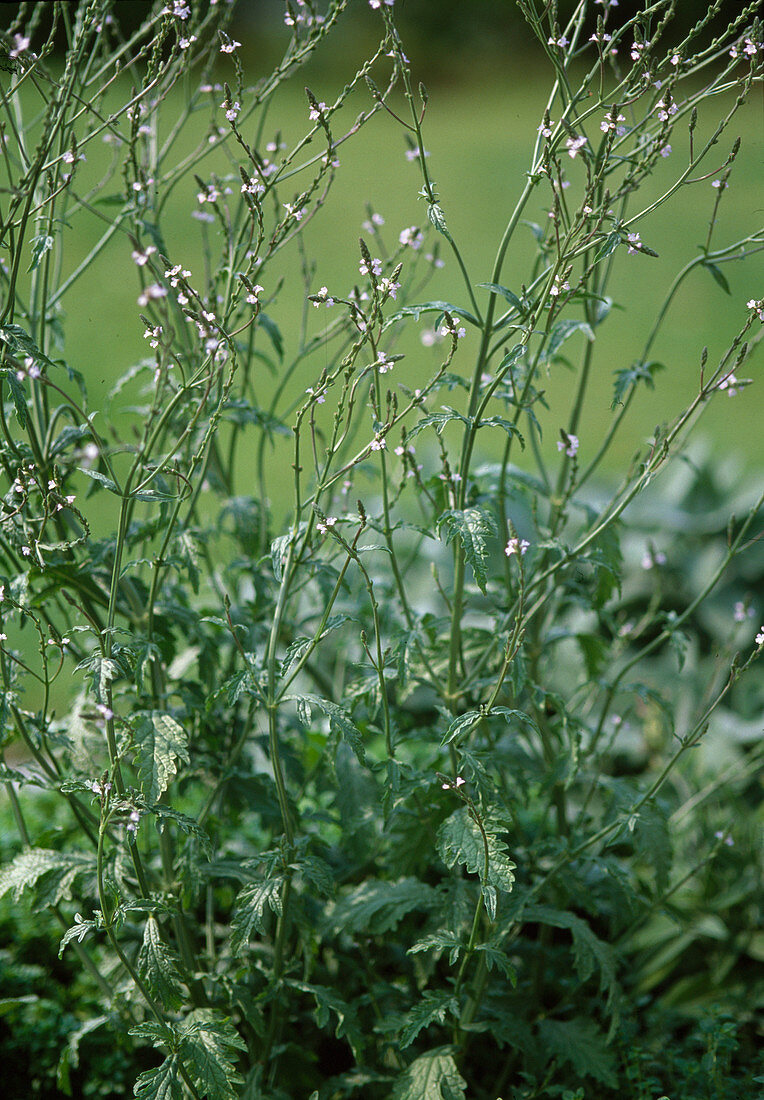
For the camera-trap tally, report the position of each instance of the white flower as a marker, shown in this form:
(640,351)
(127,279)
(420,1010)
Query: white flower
(759,639)
(412,237)
(253,187)
(730,384)
(574,144)
(20,43)
(323,296)
(152,292)
(378,444)
(387,286)
(516,546)
(569,444)
(229,46)
(327,523)
(142,258)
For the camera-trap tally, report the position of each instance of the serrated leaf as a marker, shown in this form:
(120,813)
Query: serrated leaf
(589,952)
(22,344)
(439,941)
(652,840)
(341,720)
(48,873)
(207,1044)
(608,248)
(438,219)
(78,931)
(294,651)
(376,906)
(102,479)
(509,713)
(432,1076)
(461,841)
(438,421)
(251,904)
(237,685)
(19,396)
(432,1008)
(431,307)
(506,425)
(630,376)
(157,965)
(279,548)
(186,824)
(159,742)
(499,959)
(580,1043)
(104,669)
(328,1002)
(561,332)
(679,642)
(162,1083)
(40,245)
(160,1034)
(471,526)
(461,725)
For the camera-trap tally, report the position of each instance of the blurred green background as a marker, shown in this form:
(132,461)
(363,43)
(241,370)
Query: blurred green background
(487,83)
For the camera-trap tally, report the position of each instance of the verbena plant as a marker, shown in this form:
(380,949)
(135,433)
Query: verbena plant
(352,754)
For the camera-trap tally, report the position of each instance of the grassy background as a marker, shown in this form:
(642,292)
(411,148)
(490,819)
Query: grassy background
(479,134)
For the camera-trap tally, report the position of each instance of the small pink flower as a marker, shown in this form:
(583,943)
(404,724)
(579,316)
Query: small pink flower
(516,546)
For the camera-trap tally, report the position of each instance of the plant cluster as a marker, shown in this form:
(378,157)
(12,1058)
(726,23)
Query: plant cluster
(352,752)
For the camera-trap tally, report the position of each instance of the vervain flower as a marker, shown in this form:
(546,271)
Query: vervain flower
(516,546)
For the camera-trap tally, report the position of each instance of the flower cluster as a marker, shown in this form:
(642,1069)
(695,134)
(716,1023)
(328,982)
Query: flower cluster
(299,15)
(574,145)
(653,558)
(730,383)
(376,267)
(569,444)
(746,48)
(516,546)
(411,237)
(612,122)
(322,295)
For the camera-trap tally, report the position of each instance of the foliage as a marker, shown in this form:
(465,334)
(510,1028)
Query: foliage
(343,759)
